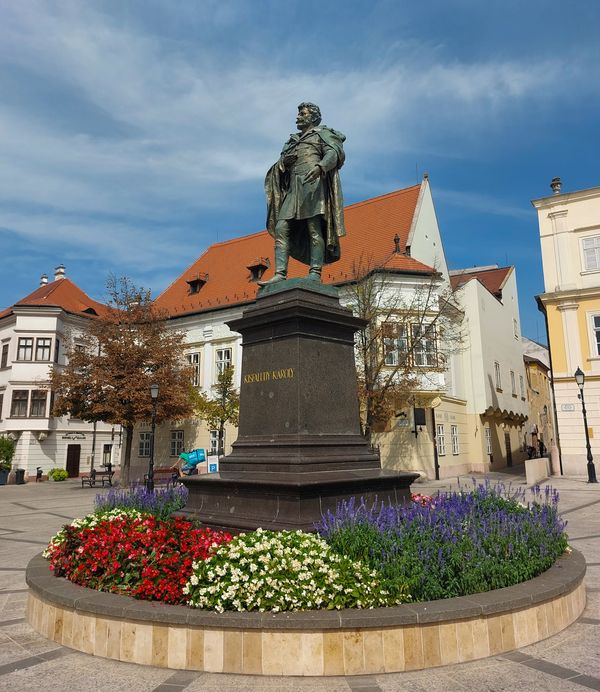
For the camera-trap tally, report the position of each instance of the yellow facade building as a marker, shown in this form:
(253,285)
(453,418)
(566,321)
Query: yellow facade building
(569,224)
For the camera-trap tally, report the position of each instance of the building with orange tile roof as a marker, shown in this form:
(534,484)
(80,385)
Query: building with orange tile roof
(33,333)
(438,430)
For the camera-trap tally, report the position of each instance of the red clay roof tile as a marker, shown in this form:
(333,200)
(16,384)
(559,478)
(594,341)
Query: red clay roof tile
(371,226)
(493,279)
(64,294)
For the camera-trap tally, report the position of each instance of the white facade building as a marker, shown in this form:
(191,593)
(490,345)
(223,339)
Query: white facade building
(33,334)
(459,419)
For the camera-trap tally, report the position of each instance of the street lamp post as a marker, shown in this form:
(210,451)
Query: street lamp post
(591,469)
(150,481)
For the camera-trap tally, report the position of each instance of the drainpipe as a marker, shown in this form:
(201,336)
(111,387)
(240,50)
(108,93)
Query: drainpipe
(436,461)
(542,309)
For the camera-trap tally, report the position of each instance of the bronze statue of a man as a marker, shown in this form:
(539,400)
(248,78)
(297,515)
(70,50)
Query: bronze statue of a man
(305,207)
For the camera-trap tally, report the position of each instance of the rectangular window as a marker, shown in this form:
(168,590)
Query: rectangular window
(214,442)
(516,328)
(176,442)
(106,455)
(20,400)
(454,438)
(38,403)
(25,349)
(1,403)
(591,253)
(440,439)
(223,359)
(194,361)
(424,345)
(56,350)
(42,349)
(488,440)
(596,330)
(144,448)
(395,343)
(4,361)
(513,383)
(522,385)
(497,374)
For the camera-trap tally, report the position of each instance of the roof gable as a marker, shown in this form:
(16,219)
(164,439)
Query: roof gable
(371,227)
(493,278)
(64,294)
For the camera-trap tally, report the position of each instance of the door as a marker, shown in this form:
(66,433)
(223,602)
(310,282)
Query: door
(508,449)
(73,455)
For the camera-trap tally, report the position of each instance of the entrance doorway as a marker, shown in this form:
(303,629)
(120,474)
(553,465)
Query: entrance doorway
(508,449)
(73,456)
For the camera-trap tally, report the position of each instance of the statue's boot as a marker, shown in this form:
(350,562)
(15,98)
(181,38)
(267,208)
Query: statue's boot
(281,262)
(317,252)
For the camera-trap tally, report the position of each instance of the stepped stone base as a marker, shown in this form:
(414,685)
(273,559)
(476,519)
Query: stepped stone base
(299,449)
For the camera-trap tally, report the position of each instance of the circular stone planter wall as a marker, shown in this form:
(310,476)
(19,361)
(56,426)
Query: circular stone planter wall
(346,642)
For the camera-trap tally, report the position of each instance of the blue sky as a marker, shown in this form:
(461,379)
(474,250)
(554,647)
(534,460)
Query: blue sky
(135,134)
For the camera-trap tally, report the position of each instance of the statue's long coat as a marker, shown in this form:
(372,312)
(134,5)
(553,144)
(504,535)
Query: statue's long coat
(277,185)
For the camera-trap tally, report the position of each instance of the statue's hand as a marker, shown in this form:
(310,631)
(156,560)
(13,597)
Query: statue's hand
(313,175)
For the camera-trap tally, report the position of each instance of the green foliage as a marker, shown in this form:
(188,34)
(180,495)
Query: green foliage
(286,570)
(464,543)
(58,474)
(7,452)
(221,408)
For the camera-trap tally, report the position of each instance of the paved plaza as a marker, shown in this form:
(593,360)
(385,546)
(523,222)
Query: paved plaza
(31,514)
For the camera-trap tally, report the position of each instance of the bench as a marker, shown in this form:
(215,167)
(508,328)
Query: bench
(166,476)
(95,475)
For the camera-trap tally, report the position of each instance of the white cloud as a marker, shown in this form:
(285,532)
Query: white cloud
(184,126)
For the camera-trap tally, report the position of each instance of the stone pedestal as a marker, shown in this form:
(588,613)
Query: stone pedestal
(299,450)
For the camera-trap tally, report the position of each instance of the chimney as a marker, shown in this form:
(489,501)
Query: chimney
(59,272)
(556,184)
(43,279)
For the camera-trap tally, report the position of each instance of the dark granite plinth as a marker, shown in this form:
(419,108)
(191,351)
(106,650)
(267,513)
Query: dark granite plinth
(287,501)
(299,450)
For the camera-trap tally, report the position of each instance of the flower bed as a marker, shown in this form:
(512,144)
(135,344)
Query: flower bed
(125,551)
(161,503)
(285,570)
(454,544)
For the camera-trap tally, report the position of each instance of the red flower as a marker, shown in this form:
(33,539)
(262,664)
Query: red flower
(146,558)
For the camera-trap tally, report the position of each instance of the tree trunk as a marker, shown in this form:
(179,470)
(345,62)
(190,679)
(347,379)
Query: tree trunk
(126,460)
(221,451)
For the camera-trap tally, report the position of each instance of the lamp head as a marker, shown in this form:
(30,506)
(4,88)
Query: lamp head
(579,377)
(154,391)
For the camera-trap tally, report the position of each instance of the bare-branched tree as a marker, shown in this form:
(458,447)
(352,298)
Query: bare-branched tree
(413,325)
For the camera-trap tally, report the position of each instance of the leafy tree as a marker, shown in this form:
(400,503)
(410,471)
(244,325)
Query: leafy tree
(110,369)
(7,452)
(413,324)
(221,408)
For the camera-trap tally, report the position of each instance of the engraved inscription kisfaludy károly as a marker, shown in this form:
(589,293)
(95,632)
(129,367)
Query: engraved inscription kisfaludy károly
(269,375)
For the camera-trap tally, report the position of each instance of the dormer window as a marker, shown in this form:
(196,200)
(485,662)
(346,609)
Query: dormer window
(196,282)
(258,267)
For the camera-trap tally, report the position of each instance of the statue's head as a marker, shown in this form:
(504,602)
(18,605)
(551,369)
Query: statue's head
(309,114)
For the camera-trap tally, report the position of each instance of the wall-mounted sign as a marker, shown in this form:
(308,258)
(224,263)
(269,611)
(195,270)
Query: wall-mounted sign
(74,436)
(567,407)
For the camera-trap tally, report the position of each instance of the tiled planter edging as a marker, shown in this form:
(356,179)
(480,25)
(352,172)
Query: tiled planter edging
(346,642)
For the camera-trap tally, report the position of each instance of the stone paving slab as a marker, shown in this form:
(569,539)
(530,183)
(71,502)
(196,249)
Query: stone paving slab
(30,514)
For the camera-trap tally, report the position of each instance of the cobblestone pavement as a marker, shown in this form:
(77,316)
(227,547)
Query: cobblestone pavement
(30,514)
